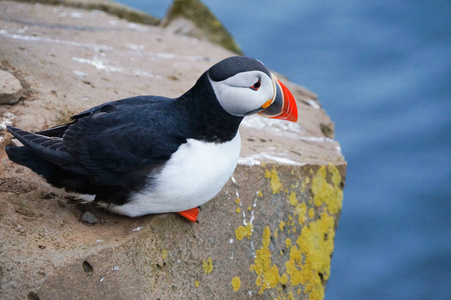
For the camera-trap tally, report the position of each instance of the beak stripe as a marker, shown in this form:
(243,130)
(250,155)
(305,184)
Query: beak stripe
(267,103)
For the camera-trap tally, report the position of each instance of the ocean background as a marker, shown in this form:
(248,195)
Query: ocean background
(382,71)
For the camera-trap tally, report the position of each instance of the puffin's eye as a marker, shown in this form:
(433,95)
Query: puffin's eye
(256,85)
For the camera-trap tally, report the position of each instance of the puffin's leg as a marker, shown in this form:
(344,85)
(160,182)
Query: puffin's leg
(190,214)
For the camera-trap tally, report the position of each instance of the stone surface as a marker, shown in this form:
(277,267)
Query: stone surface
(89,218)
(110,7)
(268,234)
(10,88)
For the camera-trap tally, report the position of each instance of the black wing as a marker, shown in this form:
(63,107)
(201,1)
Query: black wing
(120,142)
(115,145)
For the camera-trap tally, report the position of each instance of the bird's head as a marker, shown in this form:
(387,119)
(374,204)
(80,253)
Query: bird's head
(244,86)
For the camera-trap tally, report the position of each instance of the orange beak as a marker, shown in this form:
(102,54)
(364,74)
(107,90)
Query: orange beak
(283,104)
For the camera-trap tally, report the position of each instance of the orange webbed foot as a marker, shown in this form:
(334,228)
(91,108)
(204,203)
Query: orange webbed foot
(190,214)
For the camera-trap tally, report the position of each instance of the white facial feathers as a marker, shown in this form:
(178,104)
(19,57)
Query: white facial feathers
(244,92)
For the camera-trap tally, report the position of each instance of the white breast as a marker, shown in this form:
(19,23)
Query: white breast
(195,173)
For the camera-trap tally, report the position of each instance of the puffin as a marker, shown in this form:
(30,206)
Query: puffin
(151,154)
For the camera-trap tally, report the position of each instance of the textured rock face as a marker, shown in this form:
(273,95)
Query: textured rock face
(268,234)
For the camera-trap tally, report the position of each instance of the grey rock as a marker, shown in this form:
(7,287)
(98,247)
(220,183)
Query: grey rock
(10,88)
(89,218)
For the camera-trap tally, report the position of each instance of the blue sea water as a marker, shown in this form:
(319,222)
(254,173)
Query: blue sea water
(382,70)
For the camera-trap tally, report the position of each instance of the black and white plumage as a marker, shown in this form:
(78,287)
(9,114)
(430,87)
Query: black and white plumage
(150,154)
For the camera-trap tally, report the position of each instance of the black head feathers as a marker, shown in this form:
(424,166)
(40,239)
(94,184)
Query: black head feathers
(234,65)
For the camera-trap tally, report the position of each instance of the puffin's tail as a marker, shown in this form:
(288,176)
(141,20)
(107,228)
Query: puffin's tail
(25,157)
(47,157)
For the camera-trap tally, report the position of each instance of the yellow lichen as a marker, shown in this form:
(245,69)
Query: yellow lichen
(196,283)
(309,259)
(288,243)
(281,225)
(238,210)
(243,231)
(301,210)
(259,194)
(329,194)
(268,275)
(237,200)
(207,265)
(266,237)
(267,174)
(283,279)
(292,199)
(311,213)
(236,283)
(317,243)
(296,276)
(275,181)
(164,254)
(336,177)
(249,208)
